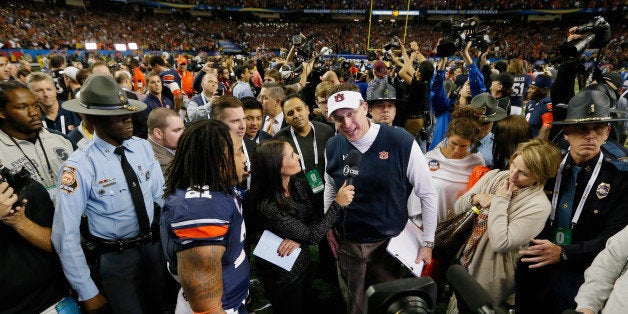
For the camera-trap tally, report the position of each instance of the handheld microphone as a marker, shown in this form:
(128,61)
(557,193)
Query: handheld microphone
(352,163)
(470,291)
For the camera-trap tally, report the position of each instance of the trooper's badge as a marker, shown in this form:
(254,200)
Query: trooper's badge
(602,190)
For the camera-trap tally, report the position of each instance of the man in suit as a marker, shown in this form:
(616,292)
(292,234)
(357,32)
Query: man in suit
(165,127)
(270,96)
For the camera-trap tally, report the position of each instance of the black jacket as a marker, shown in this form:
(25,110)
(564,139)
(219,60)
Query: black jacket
(603,215)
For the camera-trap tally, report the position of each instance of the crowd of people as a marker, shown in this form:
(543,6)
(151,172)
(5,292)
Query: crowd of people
(35,26)
(147,185)
(414,5)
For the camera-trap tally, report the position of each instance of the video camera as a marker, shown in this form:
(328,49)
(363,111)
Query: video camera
(392,44)
(457,33)
(305,48)
(16,179)
(596,34)
(404,296)
(297,40)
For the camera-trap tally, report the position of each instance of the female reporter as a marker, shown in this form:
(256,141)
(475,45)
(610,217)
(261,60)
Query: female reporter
(451,163)
(514,209)
(285,207)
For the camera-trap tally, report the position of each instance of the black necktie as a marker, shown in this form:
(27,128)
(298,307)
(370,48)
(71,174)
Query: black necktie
(136,191)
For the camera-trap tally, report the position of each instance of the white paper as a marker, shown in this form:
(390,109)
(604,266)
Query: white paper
(267,247)
(405,247)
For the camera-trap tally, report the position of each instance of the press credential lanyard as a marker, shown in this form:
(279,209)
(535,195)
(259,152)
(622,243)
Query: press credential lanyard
(587,189)
(313,177)
(296,143)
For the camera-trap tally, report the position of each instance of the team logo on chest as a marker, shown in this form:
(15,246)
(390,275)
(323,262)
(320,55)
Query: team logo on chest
(602,190)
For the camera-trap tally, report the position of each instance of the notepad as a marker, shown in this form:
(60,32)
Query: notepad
(405,247)
(267,247)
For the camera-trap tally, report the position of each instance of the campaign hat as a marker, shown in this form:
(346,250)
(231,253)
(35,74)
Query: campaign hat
(102,96)
(589,106)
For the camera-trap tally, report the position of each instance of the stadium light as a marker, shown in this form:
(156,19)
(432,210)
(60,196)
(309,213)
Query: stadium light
(120,47)
(91,46)
(132,46)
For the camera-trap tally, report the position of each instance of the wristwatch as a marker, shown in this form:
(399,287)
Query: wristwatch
(427,244)
(563,254)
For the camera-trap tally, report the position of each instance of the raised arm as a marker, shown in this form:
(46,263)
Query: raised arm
(307,69)
(438,97)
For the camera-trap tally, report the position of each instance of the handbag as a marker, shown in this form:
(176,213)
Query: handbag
(450,236)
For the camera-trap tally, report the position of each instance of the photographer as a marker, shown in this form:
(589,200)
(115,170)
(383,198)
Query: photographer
(442,105)
(418,82)
(593,35)
(32,279)
(287,73)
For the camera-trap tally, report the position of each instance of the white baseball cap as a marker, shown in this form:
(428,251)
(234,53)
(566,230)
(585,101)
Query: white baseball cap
(70,72)
(344,99)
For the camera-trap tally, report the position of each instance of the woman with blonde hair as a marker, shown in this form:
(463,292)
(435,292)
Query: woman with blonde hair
(513,210)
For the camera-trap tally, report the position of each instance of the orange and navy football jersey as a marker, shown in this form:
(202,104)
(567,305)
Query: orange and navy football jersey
(200,218)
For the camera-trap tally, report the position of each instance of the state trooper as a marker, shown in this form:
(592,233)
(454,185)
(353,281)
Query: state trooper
(116,182)
(589,200)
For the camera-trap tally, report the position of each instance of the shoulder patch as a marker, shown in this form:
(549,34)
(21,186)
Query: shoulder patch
(68,180)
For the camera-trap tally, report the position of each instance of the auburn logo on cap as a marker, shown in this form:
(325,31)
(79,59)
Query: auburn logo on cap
(339,97)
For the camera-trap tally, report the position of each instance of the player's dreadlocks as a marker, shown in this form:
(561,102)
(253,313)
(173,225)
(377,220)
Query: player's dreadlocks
(204,157)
